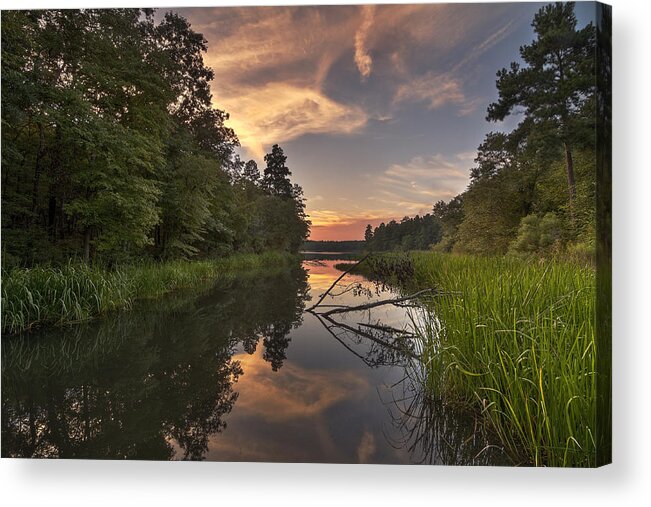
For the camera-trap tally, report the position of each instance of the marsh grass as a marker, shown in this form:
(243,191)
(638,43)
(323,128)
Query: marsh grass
(44,296)
(517,342)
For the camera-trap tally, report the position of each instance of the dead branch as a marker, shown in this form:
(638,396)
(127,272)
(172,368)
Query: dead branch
(386,329)
(359,332)
(375,304)
(329,329)
(323,296)
(346,289)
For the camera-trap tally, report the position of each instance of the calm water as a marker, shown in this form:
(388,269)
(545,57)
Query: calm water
(239,372)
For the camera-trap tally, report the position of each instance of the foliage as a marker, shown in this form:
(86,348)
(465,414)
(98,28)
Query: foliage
(112,150)
(417,233)
(555,87)
(450,216)
(538,233)
(333,246)
(547,163)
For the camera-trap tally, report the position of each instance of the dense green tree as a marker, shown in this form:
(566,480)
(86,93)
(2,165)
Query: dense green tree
(368,234)
(251,172)
(449,215)
(491,213)
(91,131)
(538,233)
(112,148)
(545,167)
(555,87)
(418,233)
(276,173)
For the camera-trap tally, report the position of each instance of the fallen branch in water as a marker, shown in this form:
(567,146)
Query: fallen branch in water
(402,350)
(323,296)
(375,304)
(348,288)
(386,329)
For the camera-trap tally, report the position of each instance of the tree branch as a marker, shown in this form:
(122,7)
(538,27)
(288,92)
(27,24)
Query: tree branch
(323,296)
(376,303)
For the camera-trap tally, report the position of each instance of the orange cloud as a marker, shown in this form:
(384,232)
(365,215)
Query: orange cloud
(296,393)
(363,59)
(271,63)
(277,112)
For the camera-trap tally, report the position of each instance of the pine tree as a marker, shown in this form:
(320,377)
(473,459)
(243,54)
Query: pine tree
(555,87)
(276,174)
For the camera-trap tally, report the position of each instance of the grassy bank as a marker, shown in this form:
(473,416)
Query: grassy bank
(76,292)
(516,340)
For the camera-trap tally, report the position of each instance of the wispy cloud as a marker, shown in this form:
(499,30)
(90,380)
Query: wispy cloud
(407,188)
(363,59)
(270,65)
(484,46)
(278,112)
(436,90)
(414,186)
(274,65)
(443,88)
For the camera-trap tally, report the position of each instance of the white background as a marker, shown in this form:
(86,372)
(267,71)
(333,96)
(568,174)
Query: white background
(626,482)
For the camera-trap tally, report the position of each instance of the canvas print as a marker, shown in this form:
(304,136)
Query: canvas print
(334,234)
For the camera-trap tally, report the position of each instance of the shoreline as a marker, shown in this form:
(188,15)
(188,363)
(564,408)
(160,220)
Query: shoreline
(49,297)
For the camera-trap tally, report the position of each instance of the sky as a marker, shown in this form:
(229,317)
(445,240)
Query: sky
(379,108)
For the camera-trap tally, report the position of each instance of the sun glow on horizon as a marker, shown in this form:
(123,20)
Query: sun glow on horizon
(379,108)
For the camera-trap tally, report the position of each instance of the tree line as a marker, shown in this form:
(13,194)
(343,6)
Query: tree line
(532,190)
(112,149)
(417,233)
(352,245)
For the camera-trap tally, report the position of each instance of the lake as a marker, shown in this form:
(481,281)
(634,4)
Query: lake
(238,371)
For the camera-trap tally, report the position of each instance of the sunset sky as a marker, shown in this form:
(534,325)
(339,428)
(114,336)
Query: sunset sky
(379,109)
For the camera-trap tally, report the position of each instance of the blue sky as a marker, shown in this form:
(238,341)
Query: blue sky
(380,109)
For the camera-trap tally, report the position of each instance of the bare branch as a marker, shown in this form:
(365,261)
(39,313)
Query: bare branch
(323,296)
(376,303)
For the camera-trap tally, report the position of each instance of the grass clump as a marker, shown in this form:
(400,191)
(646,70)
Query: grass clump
(44,296)
(516,339)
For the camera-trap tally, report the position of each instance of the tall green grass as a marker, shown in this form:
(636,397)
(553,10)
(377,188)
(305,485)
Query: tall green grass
(51,296)
(515,339)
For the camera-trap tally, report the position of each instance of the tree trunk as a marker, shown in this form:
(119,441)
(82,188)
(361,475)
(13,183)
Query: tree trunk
(37,168)
(87,245)
(571,185)
(569,167)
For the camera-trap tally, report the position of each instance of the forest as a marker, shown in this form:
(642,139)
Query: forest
(334,246)
(532,190)
(113,151)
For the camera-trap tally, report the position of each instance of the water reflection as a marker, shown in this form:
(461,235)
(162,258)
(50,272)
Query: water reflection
(154,383)
(433,432)
(236,373)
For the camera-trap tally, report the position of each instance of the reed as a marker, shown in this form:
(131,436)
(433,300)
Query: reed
(514,338)
(44,296)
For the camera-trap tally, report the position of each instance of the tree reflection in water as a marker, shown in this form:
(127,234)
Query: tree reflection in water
(434,433)
(159,382)
(429,429)
(155,383)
